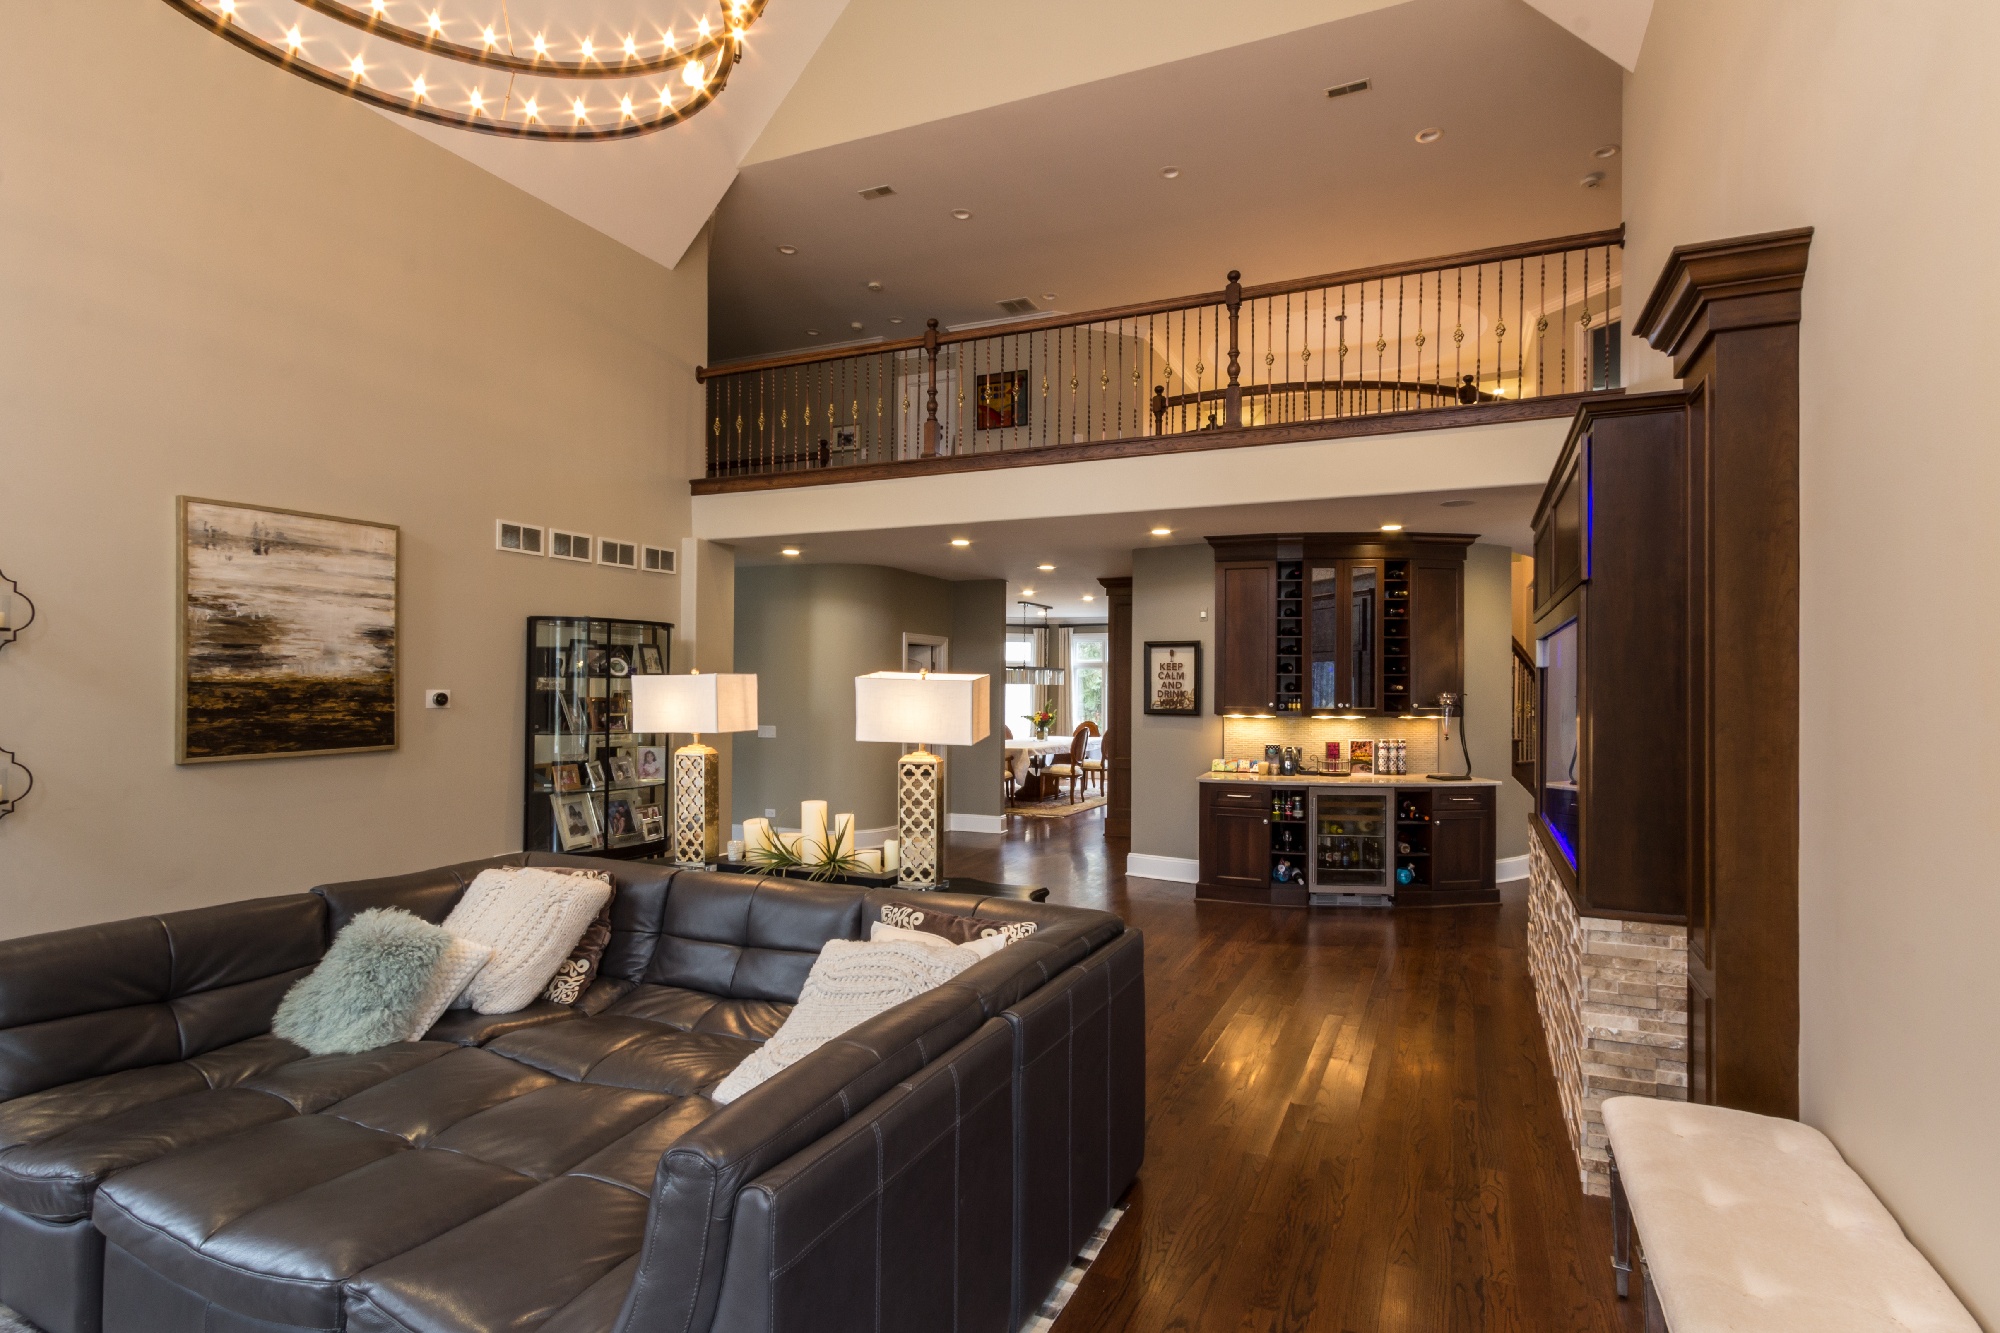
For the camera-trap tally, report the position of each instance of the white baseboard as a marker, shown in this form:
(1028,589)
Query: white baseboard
(958,823)
(1179,869)
(1510,867)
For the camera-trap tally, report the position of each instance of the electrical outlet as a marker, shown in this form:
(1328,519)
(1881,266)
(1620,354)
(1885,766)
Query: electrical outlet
(770,814)
(437,698)
(767,733)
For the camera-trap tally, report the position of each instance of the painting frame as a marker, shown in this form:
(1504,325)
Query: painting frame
(1000,400)
(1171,648)
(185,677)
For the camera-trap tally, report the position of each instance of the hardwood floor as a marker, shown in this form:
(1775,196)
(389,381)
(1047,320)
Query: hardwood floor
(1352,1125)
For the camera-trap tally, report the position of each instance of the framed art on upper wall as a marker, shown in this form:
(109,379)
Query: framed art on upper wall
(1003,400)
(1173,678)
(288,633)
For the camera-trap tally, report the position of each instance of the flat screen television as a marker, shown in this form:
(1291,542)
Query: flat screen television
(1559,797)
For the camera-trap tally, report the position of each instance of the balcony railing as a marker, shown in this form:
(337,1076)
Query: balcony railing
(1475,335)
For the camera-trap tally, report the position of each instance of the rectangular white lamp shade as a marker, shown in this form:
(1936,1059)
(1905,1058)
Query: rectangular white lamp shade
(701,704)
(934,708)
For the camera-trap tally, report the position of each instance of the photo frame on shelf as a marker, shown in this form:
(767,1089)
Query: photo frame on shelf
(545,777)
(1173,678)
(623,767)
(652,823)
(621,824)
(593,775)
(651,663)
(566,777)
(576,821)
(651,763)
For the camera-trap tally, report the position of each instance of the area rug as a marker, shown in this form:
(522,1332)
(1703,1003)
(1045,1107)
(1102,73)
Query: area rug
(1056,809)
(1045,1317)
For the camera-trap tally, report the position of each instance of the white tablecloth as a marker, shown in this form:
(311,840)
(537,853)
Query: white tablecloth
(1031,746)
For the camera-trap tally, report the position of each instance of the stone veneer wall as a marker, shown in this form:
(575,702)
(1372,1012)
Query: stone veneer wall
(1613,1000)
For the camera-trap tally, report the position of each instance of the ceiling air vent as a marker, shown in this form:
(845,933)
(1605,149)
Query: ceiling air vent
(878,192)
(1343,89)
(1020,305)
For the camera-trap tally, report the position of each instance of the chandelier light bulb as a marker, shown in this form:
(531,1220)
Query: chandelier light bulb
(387,55)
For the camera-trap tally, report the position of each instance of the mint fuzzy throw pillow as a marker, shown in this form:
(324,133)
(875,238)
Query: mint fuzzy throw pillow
(367,990)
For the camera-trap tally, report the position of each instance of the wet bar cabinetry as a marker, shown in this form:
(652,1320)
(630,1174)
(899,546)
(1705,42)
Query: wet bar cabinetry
(1338,623)
(1316,840)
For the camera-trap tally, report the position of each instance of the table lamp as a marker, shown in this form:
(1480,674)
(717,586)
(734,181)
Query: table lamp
(698,704)
(923,708)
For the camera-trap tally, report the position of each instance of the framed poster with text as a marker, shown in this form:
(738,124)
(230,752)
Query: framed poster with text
(1173,678)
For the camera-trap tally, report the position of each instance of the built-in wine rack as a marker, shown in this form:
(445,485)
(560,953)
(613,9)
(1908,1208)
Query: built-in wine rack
(1396,694)
(1291,837)
(1291,636)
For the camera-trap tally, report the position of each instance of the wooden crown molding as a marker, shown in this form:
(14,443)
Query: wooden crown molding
(1635,404)
(1745,282)
(1121,583)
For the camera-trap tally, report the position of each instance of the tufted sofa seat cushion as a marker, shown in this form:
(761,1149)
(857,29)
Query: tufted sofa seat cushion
(1753,1222)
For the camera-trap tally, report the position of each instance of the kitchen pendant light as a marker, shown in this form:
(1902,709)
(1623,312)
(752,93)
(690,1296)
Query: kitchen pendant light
(552,70)
(1028,649)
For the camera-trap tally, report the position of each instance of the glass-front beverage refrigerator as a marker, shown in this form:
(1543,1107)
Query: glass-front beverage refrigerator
(1351,831)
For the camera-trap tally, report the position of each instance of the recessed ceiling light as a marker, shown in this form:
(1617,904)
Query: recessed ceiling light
(789,550)
(1090,597)
(1163,532)
(1045,568)
(1392,527)
(1457,504)
(874,286)
(961,541)
(962,214)
(1592,181)
(1431,135)
(788,249)
(1170,172)
(1027,592)
(1608,150)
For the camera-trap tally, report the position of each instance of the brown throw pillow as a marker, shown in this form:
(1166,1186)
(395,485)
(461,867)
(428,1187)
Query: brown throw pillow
(573,978)
(954,926)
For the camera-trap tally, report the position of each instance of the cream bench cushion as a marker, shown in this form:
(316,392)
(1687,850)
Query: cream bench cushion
(1750,1222)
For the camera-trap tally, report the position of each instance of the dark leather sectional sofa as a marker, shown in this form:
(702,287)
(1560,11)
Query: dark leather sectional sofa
(168,1166)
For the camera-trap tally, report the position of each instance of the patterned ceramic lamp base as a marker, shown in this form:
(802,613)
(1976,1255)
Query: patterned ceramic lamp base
(696,838)
(920,819)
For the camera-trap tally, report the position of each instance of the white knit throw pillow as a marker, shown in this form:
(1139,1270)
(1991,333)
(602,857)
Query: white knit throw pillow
(851,983)
(461,962)
(531,918)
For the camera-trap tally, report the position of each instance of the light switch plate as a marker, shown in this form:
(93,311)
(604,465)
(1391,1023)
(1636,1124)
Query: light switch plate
(767,733)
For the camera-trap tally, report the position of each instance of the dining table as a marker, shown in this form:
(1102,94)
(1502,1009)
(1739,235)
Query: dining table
(1037,751)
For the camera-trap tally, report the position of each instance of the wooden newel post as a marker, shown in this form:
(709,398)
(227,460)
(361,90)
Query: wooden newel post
(1159,406)
(932,431)
(1232,400)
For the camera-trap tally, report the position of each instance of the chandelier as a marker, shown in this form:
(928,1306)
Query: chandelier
(560,70)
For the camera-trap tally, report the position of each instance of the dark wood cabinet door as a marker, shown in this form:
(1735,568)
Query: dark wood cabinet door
(1235,838)
(1246,636)
(1437,631)
(1460,860)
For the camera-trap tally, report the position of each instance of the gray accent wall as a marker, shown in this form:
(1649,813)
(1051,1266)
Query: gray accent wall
(807,631)
(979,645)
(1172,587)
(1489,691)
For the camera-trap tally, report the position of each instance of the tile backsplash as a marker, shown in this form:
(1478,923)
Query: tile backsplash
(1246,737)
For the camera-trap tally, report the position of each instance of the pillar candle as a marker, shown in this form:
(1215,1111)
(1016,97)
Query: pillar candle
(844,823)
(871,859)
(757,835)
(892,858)
(812,826)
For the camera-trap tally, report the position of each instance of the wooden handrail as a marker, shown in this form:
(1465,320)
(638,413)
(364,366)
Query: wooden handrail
(1492,255)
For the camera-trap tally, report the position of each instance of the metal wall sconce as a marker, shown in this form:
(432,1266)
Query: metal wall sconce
(10,625)
(9,797)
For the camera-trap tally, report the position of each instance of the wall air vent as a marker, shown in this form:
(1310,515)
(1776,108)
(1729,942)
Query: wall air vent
(1020,305)
(878,192)
(1343,89)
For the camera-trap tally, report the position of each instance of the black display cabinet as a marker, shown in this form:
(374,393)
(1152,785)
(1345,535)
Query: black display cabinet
(594,787)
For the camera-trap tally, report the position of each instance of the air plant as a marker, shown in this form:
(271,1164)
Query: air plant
(820,861)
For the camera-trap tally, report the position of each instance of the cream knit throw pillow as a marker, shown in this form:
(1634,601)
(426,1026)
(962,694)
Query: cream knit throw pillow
(461,962)
(531,918)
(851,983)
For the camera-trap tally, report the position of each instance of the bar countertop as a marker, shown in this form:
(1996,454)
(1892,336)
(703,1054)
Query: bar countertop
(1405,780)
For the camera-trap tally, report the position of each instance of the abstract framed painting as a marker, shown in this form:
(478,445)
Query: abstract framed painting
(288,633)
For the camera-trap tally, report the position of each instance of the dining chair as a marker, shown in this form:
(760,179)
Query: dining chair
(1093,765)
(1073,770)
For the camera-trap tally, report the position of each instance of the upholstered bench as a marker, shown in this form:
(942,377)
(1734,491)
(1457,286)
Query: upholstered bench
(1752,1222)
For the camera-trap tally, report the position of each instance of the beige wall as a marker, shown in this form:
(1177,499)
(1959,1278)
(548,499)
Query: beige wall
(220,281)
(1877,125)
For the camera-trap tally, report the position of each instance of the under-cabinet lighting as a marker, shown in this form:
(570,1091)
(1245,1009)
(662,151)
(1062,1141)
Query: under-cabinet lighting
(789,550)
(961,541)
(1392,527)
(1046,569)
(1163,532)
